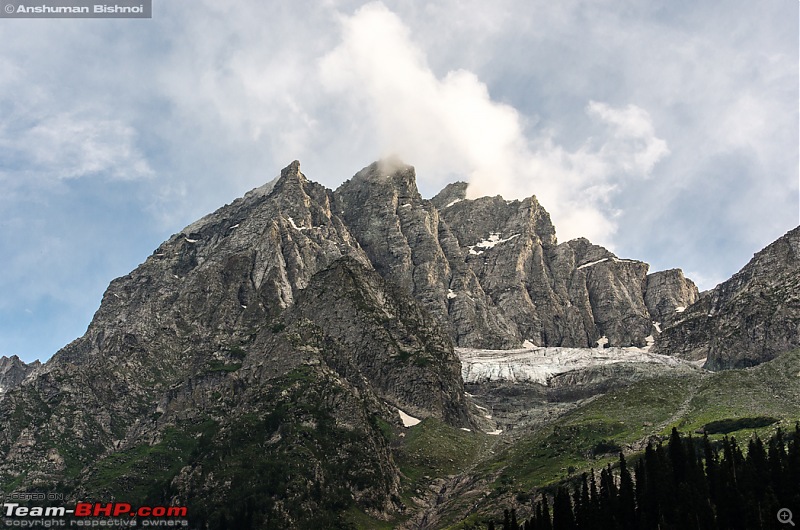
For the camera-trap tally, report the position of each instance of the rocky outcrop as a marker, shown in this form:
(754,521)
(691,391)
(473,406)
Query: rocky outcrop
(669,293)
(13,371)
(381,337)
(746,320)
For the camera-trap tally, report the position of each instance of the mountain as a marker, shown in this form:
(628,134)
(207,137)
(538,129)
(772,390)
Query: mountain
(265,365)
(746,320)
(261,327)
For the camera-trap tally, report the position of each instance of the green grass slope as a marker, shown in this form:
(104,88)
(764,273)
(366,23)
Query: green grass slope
(733,403)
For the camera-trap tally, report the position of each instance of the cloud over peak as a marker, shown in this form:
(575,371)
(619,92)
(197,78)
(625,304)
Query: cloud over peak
(450,125)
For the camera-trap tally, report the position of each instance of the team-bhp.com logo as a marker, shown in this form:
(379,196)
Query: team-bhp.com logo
(95,514)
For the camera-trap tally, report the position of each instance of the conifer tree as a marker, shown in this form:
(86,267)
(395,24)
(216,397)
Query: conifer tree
(712,468)
(677,457)
(627,500)
(563,518)
(546,521)
(584,518)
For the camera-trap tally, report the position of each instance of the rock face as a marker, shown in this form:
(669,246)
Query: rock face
(667,293)
(747,320)
(255,364)
(492,270)
(13,371)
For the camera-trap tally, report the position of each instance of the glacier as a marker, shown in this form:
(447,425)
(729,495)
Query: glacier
(540,364)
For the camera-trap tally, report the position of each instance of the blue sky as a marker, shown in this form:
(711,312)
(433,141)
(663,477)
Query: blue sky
(667,132)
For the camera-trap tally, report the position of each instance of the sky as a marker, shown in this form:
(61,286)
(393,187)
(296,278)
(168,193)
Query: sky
(666,131)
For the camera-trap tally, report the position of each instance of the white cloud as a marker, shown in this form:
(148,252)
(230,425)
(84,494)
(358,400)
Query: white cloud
(66,146)
(633,145)
(451,125)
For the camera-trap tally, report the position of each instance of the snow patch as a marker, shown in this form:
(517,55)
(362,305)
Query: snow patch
(234,226)
(491,242)
(601,342)
(190,240)
(528,344)
(465,429)
(650,341)
(657,325)
(495,433)
(592,263)
(450,294)
(291,221)
(301,228)
(452,203)
(408,421)
(614,259)
(680,309)
(406,206)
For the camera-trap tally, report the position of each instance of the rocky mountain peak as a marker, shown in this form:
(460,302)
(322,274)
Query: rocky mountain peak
(13,371)
(450,195)
(290,179)
(391,175)
(586,252)
(746,320)
(668,293)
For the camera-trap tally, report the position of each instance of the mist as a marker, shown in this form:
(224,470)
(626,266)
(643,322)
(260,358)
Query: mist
(450,126)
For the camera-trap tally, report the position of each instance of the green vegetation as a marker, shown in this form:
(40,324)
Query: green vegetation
(355,518)
(143,472)
(237,352)
(384,427)
(591,435)
(315,462)
(771,389)
(221,366)
(433,448)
